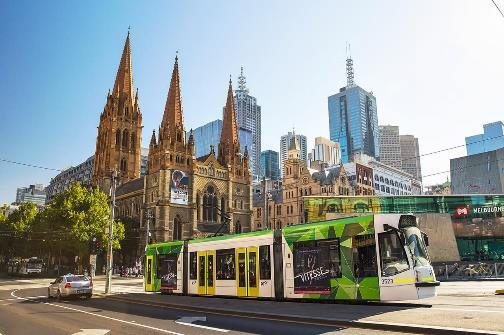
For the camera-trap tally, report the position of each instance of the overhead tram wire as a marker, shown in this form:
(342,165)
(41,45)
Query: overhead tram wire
(502,14)
(402,160)
(30,165)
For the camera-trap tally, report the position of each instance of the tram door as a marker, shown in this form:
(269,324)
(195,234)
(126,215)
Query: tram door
(149,275)
(206,272)
(247,267)
(365,269)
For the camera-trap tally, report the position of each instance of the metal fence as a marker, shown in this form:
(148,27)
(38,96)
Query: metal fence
(469,270)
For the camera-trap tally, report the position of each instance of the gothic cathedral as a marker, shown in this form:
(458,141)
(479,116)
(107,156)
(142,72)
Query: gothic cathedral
(184,196)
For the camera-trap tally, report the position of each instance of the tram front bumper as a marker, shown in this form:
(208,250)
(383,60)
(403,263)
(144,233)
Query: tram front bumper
(427,283)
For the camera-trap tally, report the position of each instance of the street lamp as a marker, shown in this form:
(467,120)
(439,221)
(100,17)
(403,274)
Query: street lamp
(108,282)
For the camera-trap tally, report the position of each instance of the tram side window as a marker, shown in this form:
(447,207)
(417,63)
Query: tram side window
(193,266)
(392,254)
(315,264)
(226,264)
(364,256)
(264,262)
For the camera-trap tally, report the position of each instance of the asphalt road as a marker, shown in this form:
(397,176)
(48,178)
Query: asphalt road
(28,311)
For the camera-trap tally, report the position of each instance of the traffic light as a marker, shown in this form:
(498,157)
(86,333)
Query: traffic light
(94,246)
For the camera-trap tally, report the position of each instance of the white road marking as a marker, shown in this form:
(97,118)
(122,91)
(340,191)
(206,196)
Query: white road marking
(102,316)
(10,299)
(188,321)
(467,310)
(92,332)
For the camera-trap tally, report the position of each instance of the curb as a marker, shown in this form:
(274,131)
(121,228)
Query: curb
(373,325)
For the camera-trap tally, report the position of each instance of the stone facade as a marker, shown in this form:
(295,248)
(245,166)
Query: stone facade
(299,181)
(182,196)
(120,129)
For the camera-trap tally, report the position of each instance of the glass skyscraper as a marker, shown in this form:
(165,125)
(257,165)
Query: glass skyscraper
(209,134)
(270,165)
(353,122)
(248,116)
(491,139)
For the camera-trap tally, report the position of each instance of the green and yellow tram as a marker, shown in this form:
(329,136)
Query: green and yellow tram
(373,257)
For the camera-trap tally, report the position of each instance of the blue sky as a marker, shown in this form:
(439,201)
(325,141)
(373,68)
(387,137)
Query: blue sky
(434,66)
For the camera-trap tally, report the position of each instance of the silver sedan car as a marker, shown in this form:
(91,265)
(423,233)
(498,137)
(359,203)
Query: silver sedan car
(70,285)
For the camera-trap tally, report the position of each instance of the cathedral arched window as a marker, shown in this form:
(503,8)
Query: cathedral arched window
(124,165)
(118,139)
(177,228)
(223,209)
(188,162)
(210,205)
(198,215)
(126,111)
(238,227)
(133,141)
(125,139)
(179,137)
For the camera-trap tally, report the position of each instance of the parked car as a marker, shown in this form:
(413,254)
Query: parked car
(71,286)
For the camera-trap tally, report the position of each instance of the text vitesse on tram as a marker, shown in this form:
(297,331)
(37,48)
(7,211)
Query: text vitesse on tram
(374,257)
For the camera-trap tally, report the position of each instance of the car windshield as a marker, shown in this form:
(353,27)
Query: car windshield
(416,246)
(35,265)
(70,279)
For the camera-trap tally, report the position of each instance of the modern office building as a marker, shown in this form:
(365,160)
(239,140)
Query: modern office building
(491,139)
(390,146)
(389,180)
(410,156)
(353,119)
(82,173)
(285,140)
(248,116)
(270,167)
(209,135)
(478,174)
(33,193)
(325,152)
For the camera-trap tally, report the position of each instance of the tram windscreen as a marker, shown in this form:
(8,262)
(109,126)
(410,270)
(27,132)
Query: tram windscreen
(167,271)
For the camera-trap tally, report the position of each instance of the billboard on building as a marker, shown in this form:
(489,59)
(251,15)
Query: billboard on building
(179,188)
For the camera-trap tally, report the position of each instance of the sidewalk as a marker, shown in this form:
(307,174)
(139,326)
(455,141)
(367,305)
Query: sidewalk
(398,317)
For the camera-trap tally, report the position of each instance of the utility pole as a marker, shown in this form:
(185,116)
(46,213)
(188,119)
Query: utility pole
(265,219)
(147,228)
(108,283)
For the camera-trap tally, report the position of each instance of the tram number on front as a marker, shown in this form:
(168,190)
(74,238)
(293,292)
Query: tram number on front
(387,281)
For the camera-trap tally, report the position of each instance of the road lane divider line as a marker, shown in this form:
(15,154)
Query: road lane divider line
(101,316)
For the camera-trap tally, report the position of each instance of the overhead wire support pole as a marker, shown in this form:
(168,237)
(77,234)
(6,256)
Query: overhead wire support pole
(108,283)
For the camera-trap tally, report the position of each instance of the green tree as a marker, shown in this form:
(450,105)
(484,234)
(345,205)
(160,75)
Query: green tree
(18,227)
(75,217)
(83,214)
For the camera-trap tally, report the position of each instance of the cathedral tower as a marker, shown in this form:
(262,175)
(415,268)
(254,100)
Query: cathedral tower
(169,171)
(120,129)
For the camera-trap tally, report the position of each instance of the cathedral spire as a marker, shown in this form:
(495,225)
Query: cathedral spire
(124,77)
(173,116)
(229,132)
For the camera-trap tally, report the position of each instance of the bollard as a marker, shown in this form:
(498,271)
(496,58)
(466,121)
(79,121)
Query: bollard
(446,265)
